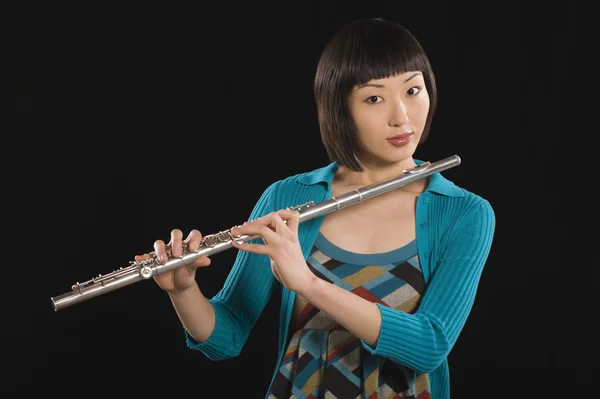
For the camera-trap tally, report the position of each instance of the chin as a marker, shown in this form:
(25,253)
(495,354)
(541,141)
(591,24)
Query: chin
(402,154)
(389,157)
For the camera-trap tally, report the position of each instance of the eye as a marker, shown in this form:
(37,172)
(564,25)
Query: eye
(413,91)
(373,99)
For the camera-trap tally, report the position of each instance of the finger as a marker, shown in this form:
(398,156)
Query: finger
(139,258)
(279,223)
(257,228)
(193,240)
(292,219)
(254,248)
(160,250)
(274,222)
(202,262)
(176,243)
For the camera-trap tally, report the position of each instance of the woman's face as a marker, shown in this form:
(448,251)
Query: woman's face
(390,116)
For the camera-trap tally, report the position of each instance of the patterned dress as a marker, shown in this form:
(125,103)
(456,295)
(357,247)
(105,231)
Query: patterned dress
(323,360)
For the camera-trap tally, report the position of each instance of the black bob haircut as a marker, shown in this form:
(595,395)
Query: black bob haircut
(363,50)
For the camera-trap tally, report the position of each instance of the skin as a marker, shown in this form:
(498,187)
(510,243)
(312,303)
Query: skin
(380,109)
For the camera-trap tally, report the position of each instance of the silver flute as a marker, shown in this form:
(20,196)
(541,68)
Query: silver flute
(215,243)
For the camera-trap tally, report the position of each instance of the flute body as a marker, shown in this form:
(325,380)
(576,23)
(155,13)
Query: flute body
(221,241)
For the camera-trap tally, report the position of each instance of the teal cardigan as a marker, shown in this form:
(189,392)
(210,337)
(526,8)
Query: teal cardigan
(454,235)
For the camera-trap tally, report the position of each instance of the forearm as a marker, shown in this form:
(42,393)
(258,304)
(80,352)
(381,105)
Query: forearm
(195,312)
(358,315)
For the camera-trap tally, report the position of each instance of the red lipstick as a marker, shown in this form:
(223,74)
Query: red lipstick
(400,140)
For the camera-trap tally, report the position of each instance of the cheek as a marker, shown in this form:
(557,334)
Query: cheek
(370,117)
(368,127)
(362,121)
(360,118)
(421,111)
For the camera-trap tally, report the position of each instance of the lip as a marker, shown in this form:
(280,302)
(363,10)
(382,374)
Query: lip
(400,140)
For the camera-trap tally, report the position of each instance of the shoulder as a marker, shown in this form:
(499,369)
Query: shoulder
(472,200)
(455,206)
(449,193)
(315,179)
(306,186)
(465,211)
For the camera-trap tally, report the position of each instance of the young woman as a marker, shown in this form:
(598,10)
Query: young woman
(375,295)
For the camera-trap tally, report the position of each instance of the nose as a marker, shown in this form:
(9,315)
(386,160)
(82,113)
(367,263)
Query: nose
(398,114)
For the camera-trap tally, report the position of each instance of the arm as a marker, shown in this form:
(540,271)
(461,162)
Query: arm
(421,340)
(219,327)
(424,339)
(359,316)
(195,312)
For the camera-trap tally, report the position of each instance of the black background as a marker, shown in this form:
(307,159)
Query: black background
(124,120)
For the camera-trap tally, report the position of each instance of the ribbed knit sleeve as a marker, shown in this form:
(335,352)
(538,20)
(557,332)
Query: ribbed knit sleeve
(240,302)
(423,340)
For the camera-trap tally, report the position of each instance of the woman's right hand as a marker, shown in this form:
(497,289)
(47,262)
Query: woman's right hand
(179,279)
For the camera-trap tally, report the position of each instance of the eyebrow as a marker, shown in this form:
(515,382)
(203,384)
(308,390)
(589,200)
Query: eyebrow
(380,86)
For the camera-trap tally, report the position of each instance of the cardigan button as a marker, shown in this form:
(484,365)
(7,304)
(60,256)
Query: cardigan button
(424,225)
(426,200)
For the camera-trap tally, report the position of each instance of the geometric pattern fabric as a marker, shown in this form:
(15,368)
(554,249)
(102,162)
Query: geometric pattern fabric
(323,360)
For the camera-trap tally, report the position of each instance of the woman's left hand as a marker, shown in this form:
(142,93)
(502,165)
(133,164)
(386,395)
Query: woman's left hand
(279,231)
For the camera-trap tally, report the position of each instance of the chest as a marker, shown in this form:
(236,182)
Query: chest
(380,224)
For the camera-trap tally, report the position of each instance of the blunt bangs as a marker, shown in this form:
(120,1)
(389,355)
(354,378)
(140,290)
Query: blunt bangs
(377,52)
